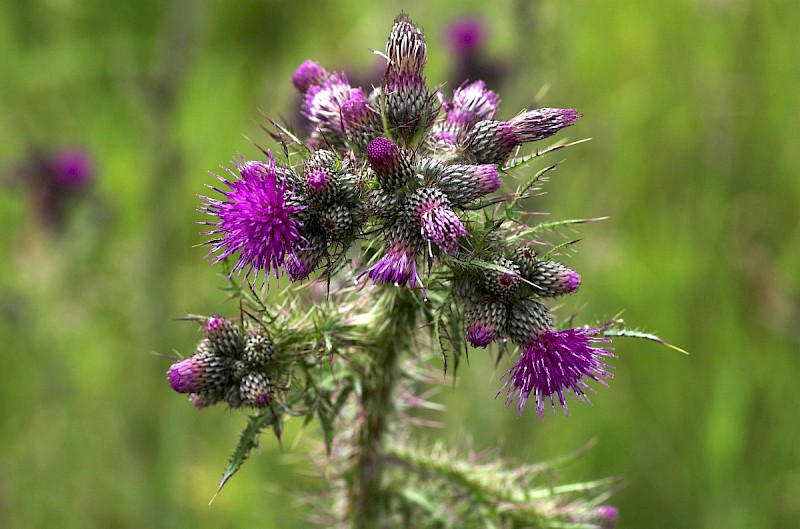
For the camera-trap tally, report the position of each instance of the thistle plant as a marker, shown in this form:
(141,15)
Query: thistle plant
(367,254)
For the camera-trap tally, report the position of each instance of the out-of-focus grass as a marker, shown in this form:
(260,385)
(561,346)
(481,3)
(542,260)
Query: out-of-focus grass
(695,115)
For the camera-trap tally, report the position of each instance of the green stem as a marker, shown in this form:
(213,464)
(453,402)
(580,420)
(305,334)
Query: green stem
(395,317)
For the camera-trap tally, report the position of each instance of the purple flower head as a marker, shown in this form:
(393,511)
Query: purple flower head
(437,222)
(472,103)
(406,47)
(550,278)
(538,124)
(322,103)
(203,372)
(392,167)
(465,35)
(307,74)
(483,321)
(254,219)
(71,168)
(399,264)
(556,361)
(608,516)
(306,258)
(361,120)
(465,183)
(493,141)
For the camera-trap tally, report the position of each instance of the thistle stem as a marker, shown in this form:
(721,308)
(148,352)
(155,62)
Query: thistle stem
(395,314)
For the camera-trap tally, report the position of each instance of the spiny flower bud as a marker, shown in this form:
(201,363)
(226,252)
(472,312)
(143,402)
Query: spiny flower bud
(320,184)
(502,284)
(484,320)
(307,74)
(336,221)
(406,47)
(465,183)
(322,159)
(258,349)
(527,319)
(384,204)
(493,141)
(437,222)
(223,337)
(553,279)
(393,169)
(362,122)
(202,372)
(256,389)
(306,259)
(409,106)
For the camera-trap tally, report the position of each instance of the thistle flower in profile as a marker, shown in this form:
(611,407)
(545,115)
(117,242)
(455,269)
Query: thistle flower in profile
(399,263)
(255,218)
(438,223)
(555,361)
(493,141)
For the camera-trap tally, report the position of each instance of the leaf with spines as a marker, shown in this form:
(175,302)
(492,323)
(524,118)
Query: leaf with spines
(248,441)
(633,333)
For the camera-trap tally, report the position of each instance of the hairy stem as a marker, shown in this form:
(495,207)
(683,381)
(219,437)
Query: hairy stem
(395,316)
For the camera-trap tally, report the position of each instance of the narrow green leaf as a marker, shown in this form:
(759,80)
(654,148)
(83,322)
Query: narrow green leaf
(630,333)
(247,441)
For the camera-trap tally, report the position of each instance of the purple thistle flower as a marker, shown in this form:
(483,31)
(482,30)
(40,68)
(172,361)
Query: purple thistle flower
(322,104)
(254,219)
(466,35)
(362,121)
(392,167)
(608,516)
(465,183)
(71,168)
(438,223)
(399,264)
(308,74)
(471,103)
(483,321)
(203,372)
(555,361)
(493,141)
(409,105)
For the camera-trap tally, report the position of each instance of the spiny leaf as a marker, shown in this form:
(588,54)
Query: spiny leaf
(561,223)
(247,442)
(523,160)
(631,333)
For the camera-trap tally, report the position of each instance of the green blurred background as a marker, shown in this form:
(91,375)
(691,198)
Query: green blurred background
(694,111)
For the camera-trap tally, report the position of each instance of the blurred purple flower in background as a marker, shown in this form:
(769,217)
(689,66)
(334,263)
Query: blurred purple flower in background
(54,178)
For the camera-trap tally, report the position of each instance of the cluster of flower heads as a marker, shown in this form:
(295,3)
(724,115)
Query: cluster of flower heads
(406,162)
(227,367)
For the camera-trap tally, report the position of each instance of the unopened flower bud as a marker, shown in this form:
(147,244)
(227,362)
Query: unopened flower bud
(484,320)
(503,284)
(493,141)
(336,221)
(392,167)
(526,320)
(202,372)
(256,389)
(224,338)
(466,183)
(307,74)
(258,349)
